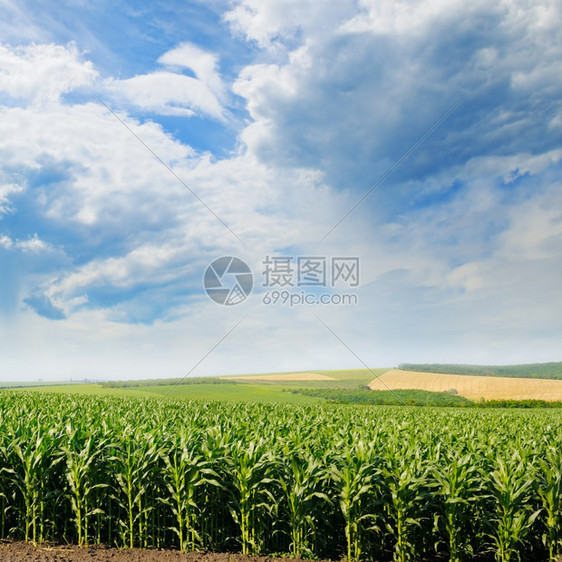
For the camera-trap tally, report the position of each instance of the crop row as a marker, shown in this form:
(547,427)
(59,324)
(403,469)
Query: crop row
(354,482)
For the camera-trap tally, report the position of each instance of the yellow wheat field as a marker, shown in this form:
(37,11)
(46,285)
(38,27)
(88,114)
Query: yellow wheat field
(472,387)
(286,377)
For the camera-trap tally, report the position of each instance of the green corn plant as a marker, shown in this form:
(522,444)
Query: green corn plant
(185,472)
(218,527)
(304,477)
(406,480)
(354,478)
(548,478)
(134,463)
(252,501)
(5,504)
(510,486)
(33,461)
(458,482)
(4,500)
(310,481)
(81,458)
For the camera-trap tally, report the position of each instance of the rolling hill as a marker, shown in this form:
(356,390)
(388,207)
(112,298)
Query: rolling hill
(552,370)
(473,387)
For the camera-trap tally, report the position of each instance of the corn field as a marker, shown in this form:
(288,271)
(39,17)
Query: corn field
(384,483)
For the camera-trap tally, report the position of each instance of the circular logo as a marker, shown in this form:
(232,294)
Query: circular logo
(228,280)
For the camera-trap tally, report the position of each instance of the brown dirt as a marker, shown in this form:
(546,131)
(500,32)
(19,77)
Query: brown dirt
(473,387)
(19,551)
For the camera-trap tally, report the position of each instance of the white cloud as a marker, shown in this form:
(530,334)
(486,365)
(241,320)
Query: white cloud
(409,17)
(273,24)
(5,191)
(454,247)
(168,92)
(349,91)
(42,73)
(32,245)
(101,189)
(204,64)
(6,241)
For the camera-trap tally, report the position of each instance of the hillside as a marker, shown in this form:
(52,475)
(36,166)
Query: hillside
(551,370)
(473,387)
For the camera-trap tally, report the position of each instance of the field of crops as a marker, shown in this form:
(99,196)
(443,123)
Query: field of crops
(473,387)
(315,481)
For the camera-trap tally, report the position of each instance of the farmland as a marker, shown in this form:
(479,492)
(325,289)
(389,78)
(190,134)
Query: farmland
(381,483)
(387,386)
(201,391)
(552,370)
(472,387)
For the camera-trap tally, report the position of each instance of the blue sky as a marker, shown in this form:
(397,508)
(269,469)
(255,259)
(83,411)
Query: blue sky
(280,116)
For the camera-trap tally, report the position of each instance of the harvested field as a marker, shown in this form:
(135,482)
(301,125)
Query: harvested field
(471,386)
(285,377)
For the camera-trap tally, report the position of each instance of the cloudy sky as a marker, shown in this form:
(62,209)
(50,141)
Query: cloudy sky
(139,141)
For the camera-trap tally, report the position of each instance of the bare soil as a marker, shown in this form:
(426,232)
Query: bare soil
(19,551)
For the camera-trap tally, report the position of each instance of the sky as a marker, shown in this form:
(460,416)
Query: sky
(141,141)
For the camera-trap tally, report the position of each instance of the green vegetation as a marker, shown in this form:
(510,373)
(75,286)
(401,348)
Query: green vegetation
(344,387)
(354,378)
(165,382)
(414,398)
(517,404)
(344,390)
(532,370)
(381,483)
(385,397)
(227,392)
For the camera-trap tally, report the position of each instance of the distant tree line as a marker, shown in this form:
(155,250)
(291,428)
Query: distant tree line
(532,370)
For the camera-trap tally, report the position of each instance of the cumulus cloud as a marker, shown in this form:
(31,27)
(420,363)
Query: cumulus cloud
(454,247)
(5,191)
(133,239)
(169,92)
(42,73)
(354,99)
(33,245)
(275,25)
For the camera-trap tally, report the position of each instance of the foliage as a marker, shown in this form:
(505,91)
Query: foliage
(380,483)
(384,397)
(551,370)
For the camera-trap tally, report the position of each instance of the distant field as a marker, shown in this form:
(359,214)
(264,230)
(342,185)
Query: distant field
(227,392)
(350,378)
(263,387)
(232,392)
(552,370)
(284,377)
(84,389)
(309,387)
(471,387)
